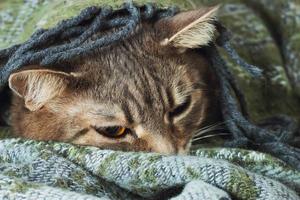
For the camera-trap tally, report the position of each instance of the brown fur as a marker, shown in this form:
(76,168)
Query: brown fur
(135,84)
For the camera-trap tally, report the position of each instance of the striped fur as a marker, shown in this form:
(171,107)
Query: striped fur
(138,84)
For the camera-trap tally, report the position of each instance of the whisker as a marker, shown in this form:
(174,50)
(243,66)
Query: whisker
(203,133)
(213,127)
(208,128)
(209,136)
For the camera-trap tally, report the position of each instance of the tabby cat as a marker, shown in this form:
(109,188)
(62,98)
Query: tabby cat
(151,92)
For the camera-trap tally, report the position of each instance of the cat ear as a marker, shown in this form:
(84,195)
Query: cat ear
(191,29)
(38,86)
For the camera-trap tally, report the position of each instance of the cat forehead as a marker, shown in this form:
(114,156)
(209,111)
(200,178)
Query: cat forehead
(120,66)
(141,63)
(141,72)
(143,50)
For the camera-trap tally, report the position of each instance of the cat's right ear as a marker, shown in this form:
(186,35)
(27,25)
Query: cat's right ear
(38,86)
(190,29)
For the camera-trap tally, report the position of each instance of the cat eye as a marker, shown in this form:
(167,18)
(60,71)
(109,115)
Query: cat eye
(180,108)
(112,131)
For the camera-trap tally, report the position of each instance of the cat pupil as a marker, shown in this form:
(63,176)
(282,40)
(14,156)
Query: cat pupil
(113,130)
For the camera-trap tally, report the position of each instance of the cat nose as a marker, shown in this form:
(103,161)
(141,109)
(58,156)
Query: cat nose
(182,151)
(156,142)
(160,147)
(159,144)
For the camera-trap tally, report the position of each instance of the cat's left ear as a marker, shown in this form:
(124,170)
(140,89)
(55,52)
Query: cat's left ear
(191,29)
(37,86)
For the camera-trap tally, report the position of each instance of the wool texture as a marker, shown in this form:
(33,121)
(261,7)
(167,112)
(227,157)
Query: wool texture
(48,170)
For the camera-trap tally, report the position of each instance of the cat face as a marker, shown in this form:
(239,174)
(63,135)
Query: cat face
(150,92)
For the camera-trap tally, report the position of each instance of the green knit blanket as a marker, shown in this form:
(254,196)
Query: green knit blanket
(47,170)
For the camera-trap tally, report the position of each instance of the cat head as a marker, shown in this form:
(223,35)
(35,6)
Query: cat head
(150,92)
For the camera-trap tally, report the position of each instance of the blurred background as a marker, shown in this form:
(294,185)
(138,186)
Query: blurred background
(266,33)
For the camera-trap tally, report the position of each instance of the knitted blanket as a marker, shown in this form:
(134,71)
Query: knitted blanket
(48,170)
(40,170)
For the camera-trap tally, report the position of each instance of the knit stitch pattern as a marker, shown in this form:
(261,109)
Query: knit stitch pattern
(47,170)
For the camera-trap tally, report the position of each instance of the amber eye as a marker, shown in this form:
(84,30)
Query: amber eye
(112,131)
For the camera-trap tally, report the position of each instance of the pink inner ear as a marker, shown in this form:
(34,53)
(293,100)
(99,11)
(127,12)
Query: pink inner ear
(18,84)
(190,29)
(38,86)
